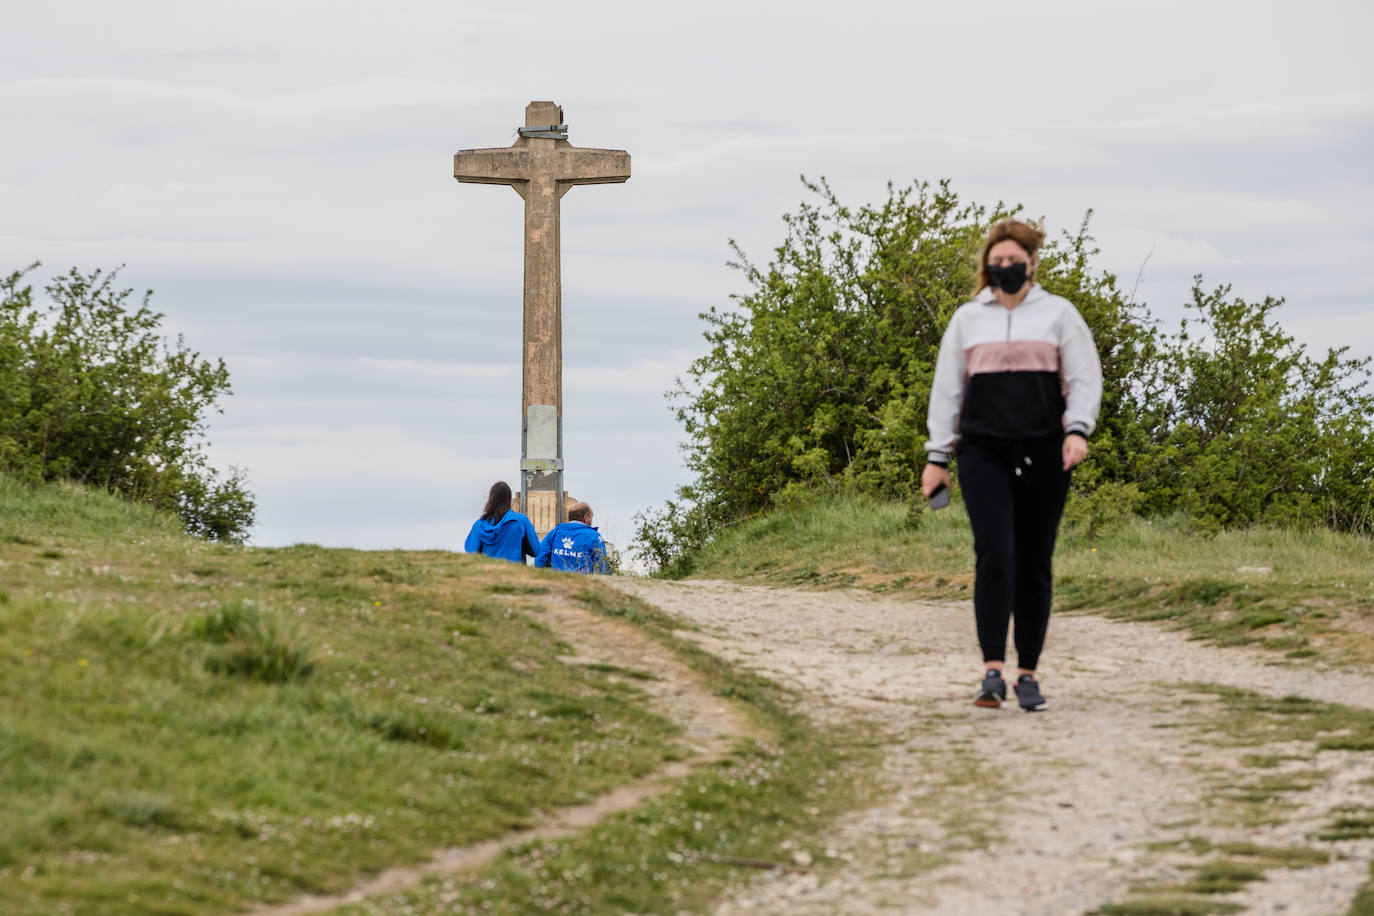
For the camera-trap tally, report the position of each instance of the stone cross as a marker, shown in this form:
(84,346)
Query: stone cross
(542,166)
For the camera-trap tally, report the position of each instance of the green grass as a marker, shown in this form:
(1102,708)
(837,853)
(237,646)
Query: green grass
(1222,877)
(1167,905)
(194,728)
(1245,718)
(1363,904)
(1317,597)
(1349,824)
(1269,856)
(678,851)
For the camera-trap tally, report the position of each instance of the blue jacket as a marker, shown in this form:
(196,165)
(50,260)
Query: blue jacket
(573,546)
(512,538)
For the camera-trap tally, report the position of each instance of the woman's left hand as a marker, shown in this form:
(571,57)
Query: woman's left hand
(1075,450)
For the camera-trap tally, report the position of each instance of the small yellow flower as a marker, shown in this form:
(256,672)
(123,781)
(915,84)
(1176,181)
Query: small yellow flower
(28,652)
(83,663)
(376,604)
(1094,550)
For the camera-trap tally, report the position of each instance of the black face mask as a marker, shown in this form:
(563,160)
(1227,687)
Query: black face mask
(1008,279)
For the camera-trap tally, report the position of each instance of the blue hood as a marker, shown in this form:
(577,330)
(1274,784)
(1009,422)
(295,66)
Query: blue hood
(512,538)
(487,532)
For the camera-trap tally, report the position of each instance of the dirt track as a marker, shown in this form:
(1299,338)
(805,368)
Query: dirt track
(1000,812)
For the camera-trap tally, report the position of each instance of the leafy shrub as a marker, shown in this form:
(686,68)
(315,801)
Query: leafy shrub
(818,377)
(90,392)
(667,539)
(1243,426)
(1092,513)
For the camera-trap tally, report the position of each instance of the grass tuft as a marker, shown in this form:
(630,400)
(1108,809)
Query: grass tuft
(258,645)
(1251,718)
(143,809)
(1349,824)
(512,588)
(1223,877)
(420,726)
(1169,906)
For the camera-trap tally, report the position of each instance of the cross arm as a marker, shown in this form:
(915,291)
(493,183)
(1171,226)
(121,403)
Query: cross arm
(505,165)
(580,165)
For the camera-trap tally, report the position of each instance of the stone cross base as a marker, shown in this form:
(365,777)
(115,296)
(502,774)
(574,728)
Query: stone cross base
(543,510)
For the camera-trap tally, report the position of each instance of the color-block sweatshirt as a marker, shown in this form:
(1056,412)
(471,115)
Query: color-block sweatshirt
(1013,373)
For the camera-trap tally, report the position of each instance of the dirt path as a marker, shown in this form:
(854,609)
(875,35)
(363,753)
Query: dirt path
(709,724)
(999,812)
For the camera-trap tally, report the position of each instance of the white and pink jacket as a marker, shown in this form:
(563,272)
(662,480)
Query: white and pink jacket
(1014,373)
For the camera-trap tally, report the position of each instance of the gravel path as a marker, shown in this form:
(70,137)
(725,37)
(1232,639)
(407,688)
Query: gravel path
(999,812)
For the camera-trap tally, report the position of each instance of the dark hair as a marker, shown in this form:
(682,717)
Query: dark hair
(578,512)
(1028,235)
(498,502)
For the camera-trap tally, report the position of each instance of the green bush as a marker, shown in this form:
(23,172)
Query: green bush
(818,378)
(90,392)
(1244,427)
(1088,514)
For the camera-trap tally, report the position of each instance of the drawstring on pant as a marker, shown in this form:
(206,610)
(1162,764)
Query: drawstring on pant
(1019,456)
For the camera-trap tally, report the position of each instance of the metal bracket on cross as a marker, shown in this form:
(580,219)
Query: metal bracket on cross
(541,467)
(548,132)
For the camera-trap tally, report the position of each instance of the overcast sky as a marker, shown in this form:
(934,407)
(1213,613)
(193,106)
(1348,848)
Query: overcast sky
(280,174)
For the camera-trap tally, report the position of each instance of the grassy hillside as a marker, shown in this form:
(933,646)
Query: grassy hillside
(1298,593)
(194,728)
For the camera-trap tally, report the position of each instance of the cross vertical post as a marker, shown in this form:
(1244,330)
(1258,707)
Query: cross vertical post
(542,166)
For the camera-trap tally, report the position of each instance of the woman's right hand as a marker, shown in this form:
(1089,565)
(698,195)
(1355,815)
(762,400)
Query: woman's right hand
(932,476)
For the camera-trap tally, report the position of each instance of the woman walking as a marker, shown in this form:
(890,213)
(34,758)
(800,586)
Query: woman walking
(501,531)
(1016,394)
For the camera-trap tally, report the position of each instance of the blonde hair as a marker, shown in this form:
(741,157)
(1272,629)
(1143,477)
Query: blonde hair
(1028,235)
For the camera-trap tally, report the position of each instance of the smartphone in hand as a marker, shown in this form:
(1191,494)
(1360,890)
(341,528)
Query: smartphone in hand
(940,498)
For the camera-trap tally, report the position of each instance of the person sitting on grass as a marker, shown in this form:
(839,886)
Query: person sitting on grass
(575,545)
(501,531)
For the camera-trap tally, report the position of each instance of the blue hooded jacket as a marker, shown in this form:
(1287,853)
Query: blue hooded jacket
(575,547)
(512,538)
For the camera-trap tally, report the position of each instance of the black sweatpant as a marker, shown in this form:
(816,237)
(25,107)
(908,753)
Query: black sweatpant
(1014,491)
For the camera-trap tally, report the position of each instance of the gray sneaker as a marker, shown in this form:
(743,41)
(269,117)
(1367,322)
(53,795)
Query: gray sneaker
(1028,694)
(993,690)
